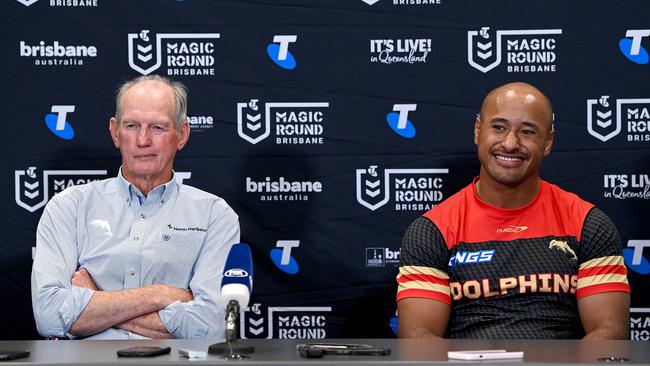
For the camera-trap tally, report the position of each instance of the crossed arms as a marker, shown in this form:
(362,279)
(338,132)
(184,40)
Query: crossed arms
(134,310)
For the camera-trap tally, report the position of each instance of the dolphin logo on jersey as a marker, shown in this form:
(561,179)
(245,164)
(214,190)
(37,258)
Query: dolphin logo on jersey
(563,246)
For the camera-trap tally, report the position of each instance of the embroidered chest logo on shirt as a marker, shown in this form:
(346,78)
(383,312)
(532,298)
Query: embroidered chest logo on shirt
(563,246)
(102,225)
(512,229)
(175,228)
(166,237)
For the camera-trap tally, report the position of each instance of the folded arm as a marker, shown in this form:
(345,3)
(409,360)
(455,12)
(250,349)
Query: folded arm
(605,315)
(422,318)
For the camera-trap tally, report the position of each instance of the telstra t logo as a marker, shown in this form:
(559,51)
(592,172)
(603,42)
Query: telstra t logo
(282,257)
(399,122)
(634,258)
(57,123)
(632,48)
(280,54)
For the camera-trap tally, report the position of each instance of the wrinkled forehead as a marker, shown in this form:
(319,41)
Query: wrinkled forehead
(149,96)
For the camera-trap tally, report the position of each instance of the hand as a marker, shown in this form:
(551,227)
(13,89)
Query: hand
(81,278)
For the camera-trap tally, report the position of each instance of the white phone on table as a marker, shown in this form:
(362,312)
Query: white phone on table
(487,354)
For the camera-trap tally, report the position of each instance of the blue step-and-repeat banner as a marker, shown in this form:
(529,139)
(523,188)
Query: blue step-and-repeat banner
(327,125)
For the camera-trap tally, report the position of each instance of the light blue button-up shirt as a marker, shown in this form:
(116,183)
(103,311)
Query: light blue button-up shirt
(178,235)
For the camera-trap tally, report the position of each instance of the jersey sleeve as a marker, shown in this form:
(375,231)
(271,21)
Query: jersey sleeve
(423,262)
(602,268)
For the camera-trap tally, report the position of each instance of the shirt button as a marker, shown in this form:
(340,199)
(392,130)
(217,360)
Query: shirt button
(143,216)
(136,238)
(132,272)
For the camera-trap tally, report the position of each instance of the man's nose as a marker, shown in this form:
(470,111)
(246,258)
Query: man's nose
(510,141)
(144,137)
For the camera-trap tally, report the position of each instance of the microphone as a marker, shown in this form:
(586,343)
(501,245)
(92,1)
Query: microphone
(236,288)
(237,282)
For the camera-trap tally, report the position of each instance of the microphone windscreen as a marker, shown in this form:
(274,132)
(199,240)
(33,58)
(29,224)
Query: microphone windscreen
(237,282)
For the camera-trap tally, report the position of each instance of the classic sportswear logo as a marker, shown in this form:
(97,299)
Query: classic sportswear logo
(409,189)
(632,48)
(33,192)
(407,50)
(380,257)
(284,322)
(56,54)
(295,123)
(634,258)
(512,229)
(282,257)
(278,51)
(527,50)
(64,3)
(626,186)
(57,123)
(399,122)
(281,189)
(633,114)
(183,54)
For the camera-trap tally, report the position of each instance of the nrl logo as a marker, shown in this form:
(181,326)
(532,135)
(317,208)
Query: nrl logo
(145,52)
(249,123)
(633,113)
(292,121)
(410,186)
(563,246)
(33,192)
(604,126)
(484,50)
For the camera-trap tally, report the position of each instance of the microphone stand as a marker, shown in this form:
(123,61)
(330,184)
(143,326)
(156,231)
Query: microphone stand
(231,349)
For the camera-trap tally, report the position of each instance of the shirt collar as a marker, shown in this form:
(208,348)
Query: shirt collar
(129,191)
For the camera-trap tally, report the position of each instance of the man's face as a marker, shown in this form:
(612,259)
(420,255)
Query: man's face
(513,134)
(146,134)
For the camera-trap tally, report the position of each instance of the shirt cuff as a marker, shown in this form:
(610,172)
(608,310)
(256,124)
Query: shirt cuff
(177,320)
(73,306)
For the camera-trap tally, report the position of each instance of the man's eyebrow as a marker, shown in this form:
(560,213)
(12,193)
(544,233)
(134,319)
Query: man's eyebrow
(505,120)
(498,119)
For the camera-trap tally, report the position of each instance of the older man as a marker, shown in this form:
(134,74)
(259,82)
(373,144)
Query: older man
(511,255)
(138,255)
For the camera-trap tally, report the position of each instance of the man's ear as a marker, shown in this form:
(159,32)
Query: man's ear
(548,144)
(113,126)
(183,135)
(477,129)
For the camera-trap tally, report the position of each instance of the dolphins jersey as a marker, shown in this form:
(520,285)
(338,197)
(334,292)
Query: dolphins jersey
(512,273)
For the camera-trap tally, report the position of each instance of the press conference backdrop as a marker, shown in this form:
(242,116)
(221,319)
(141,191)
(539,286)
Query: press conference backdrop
(327,125)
